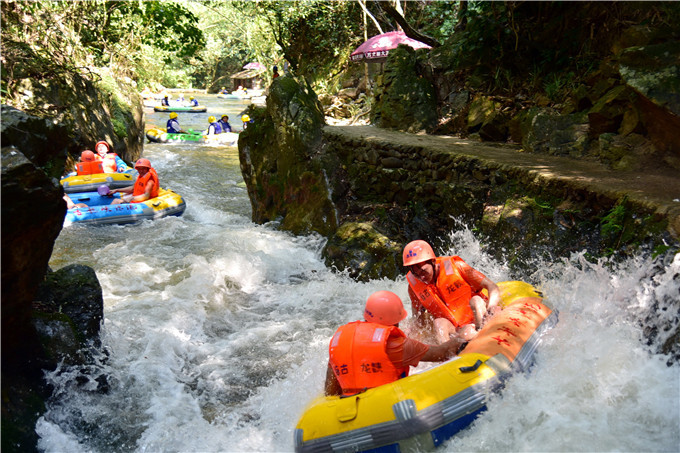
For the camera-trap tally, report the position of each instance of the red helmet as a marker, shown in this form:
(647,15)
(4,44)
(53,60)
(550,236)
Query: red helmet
(102,142)
(143,163)
(416,252)
(384,307)
(87,156)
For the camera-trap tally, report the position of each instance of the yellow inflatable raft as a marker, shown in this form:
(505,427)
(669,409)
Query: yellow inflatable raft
(423,410)
(89,183)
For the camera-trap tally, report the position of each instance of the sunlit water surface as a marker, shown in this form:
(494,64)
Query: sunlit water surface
(217,331)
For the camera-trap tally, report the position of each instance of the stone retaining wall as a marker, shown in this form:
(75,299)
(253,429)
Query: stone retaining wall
(408,186)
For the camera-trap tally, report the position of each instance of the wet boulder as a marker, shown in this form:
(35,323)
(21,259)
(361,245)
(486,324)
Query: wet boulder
(359,249)
(40,140)
(32,216)
(74,291)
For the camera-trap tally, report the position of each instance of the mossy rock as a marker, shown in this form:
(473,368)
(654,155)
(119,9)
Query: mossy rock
(405,100)
(363,252)
(280,162)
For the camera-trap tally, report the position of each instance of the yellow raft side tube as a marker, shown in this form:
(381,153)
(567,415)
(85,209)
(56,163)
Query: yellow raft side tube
(166,202)
(89,183)
(423,410)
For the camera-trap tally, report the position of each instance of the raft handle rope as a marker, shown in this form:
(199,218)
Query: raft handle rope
(468,369)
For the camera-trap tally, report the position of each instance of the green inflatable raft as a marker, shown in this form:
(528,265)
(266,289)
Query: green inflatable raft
(194,109)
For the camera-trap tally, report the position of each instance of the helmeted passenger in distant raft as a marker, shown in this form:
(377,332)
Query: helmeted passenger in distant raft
(110,160)
(145,187)
(450,291)
(370,353)
(224,123)
(214,127)
(193,101)
(88,164)
(172,126)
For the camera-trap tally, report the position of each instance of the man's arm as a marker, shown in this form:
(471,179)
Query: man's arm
(332,386)
(479,281)
(417,309)
(494,293)
(444,351)
(127,189)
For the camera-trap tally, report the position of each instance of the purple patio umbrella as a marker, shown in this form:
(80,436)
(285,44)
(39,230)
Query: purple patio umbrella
(377,47)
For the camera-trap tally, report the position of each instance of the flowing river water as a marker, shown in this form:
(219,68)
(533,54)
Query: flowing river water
(216,332)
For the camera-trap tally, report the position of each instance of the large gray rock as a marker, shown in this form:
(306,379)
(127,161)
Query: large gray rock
(74,290)
(654,72)
(363,252)
(560,135)
(32,217)
(43,142)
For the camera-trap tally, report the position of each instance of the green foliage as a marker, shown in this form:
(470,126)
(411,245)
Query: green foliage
(557,84)
(44,39)
(612,225)
(546,44)
(315,36)
(167,26)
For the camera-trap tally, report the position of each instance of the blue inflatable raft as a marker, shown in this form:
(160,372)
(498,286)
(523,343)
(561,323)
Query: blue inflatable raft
(100,211)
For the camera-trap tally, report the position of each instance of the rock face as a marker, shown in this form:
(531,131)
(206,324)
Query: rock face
(32,216)
(109,110)
(280,163)
(37,335)
(45,143)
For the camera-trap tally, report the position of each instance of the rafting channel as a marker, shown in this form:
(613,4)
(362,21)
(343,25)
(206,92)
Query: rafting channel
(216,331)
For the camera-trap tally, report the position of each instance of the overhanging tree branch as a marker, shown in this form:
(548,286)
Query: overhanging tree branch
(363,6)
(408,30)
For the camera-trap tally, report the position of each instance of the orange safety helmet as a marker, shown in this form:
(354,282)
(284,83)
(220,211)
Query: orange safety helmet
(108,147)
(87,156)
(143,163)
(416,252)
(384,307)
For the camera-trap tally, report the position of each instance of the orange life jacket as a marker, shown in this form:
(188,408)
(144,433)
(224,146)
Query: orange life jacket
(140,184)
(449,297)
(358,358)
(108,162)
(89,168)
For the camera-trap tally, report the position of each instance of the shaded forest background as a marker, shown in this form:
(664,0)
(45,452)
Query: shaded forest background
(540,51)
